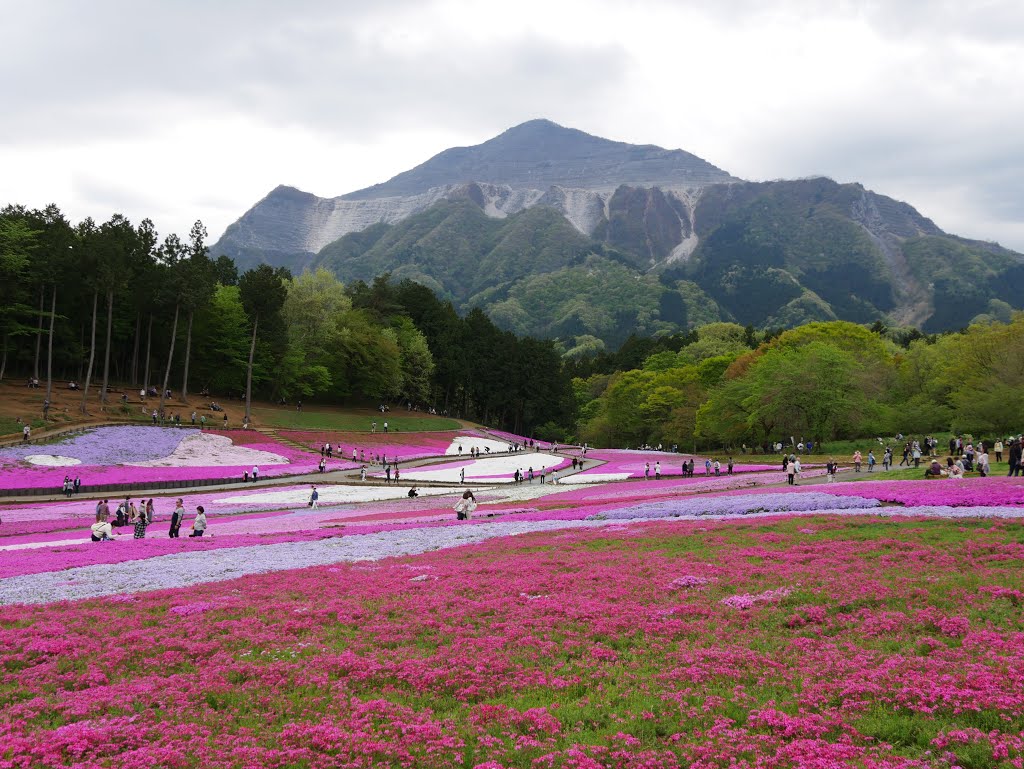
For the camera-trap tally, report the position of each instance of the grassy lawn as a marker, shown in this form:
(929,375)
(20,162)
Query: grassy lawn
(10,425)
(347,421)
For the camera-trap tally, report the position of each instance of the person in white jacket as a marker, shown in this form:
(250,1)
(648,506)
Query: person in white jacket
(199,523)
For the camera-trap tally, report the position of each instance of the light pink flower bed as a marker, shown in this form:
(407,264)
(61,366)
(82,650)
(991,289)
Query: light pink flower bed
(403,445)
(633,462)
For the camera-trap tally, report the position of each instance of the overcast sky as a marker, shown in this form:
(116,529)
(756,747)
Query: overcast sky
(187,109)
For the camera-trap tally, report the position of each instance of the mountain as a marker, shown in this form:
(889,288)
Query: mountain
(536,163)
(558,233)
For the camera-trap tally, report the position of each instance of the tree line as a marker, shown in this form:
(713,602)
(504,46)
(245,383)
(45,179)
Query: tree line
(727,386)
(114,305)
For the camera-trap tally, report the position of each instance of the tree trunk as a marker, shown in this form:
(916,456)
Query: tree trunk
(188,355)
(170,359)
(248,375)
(3,362)
(149,343)
(49,351)
(81,344)
(135,349)
(106,351)
(92,350)
(39,334)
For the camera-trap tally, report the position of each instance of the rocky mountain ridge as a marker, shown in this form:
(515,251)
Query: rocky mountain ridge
(536,163)
(703,244)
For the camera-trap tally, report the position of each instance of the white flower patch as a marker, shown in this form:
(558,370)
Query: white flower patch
(489,469)
(581,478)
(471,441)
(50,543)
(51,460)
(205,449)
(329,495)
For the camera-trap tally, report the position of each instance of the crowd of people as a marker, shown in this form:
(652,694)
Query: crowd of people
(140,517)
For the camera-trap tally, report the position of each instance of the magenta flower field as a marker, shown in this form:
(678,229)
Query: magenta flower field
(703,644)
(131,454)
(729,621)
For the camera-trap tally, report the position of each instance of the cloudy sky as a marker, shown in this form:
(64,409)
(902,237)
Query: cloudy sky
(196,109)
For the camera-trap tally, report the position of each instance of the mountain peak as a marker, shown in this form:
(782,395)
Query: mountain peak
(540,154)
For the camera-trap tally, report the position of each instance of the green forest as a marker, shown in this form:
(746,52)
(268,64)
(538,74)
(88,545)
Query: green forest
(109,303)
(113,303)
(728,386)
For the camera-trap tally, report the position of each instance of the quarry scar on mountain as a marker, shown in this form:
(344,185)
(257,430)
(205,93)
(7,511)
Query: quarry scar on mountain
(541,225)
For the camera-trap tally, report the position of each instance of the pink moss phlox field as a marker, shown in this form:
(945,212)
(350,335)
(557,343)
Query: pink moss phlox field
(866,642)
(634,462)
(403,445)
(104,454)
(989,491)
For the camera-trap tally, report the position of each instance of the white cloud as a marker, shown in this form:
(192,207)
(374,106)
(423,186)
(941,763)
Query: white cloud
(179,111)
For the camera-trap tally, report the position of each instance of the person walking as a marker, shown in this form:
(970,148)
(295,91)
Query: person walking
(26,433)
(176,518)
(149,512)
(647,471)
(982,463)
(657,471)
(871,461)
(791,473)
(1014,458)
(314,499)
(199,522)
(857,460)
(255,473)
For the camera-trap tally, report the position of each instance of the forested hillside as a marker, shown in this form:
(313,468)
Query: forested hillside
(112,306)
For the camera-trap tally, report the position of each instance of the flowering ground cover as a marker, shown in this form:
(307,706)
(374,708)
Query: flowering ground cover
(488,469)
(813,642)
(137,454)
(620,464)
(402,445)
(942,491)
